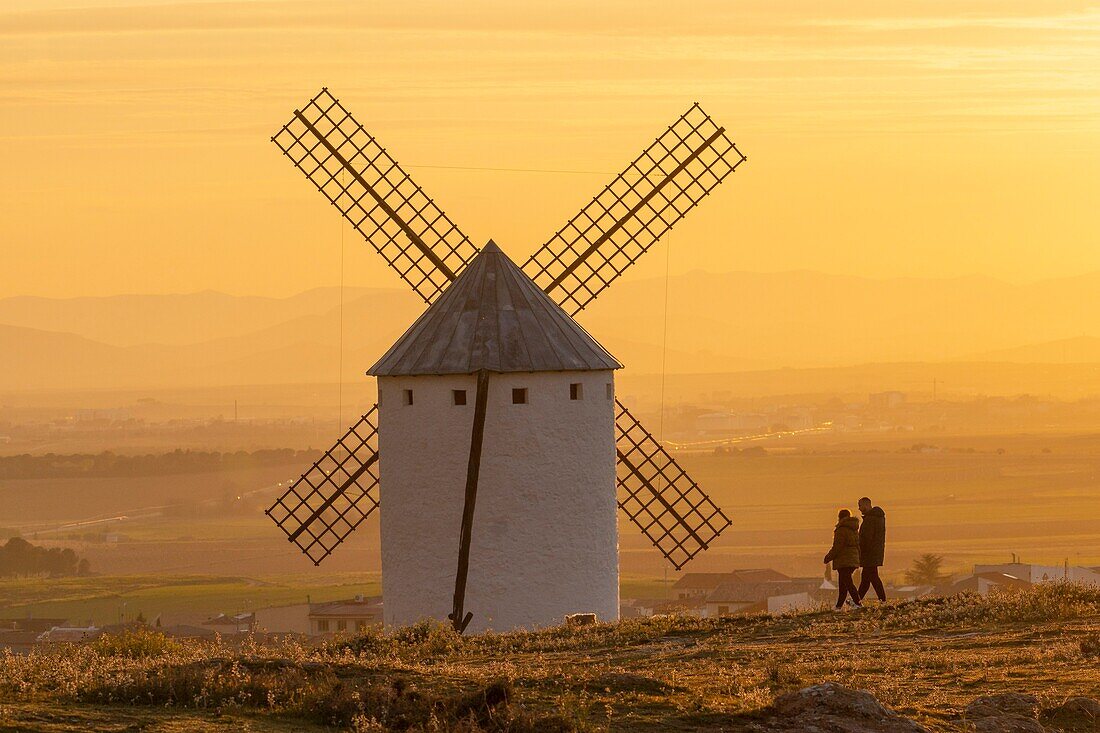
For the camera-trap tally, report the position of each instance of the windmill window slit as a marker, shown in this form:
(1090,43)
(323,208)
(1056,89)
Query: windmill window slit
(576,391)
(459,396)
(519,396)
(406,397)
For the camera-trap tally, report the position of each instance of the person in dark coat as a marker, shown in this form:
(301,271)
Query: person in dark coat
(872,548)
(844,555)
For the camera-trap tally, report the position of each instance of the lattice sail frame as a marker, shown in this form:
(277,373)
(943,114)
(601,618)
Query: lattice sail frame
(375,194)
(428,251)
(335,495)
(657,494)
(631,213)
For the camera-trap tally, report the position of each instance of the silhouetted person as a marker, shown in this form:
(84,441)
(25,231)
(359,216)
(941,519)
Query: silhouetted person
(872,548)
(845,556)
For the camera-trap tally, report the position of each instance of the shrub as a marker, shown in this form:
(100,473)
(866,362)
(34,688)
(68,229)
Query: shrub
(314,692)
(780,676)
(136,644)
(425,639)
(214,683)
(1090,645)
(1044,602)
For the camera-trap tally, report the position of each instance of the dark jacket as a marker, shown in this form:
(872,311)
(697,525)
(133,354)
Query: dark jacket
(845,550)
(872,538)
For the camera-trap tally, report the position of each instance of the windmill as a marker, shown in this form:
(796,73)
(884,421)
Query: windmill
(497,418)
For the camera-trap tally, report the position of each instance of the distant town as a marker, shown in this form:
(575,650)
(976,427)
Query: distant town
(710,420)
(704,595)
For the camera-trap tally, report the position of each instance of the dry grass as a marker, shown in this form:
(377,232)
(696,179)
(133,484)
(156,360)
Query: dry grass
(926,659)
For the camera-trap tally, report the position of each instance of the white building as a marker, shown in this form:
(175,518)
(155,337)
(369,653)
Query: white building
(544,534)
(1032,573)
(737,597)
(725,423)
(886,400)
(349,616)
(68,634)
(289,619)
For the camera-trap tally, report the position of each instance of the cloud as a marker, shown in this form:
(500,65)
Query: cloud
(1077,23)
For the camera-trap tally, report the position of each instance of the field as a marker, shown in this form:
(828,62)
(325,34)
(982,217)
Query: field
(193,598)
(925,659)
(43,503)
(969,498)
(176,599)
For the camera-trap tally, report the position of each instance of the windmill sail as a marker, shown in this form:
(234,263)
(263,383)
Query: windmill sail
(632,212)
(428,251)
(375,194)
(658,495)
(335,495)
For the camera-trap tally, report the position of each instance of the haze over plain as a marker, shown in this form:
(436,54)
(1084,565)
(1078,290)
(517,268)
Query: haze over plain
(917,213)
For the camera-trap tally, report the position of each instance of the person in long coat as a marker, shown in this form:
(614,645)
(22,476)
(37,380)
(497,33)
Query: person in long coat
(872,548)
(844,555)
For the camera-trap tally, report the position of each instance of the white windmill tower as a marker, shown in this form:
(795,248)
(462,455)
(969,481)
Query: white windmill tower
(497,424)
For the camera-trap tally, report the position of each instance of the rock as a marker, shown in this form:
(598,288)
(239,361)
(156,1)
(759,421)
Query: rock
(1008,724)
(833,708)
(627,682)
(1075,714)
(830,698)
(1008,703)
(580,619)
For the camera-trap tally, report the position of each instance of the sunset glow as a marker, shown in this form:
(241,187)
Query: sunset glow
(921,139)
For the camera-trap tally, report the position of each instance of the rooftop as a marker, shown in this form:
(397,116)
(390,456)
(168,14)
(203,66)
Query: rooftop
(32,624)
(760,575)
(353,607)
(755,592)
(493,317)
(235,620)
(709,581)
(700,581)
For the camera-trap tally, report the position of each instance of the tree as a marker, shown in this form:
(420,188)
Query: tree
(926,570)
(19,557)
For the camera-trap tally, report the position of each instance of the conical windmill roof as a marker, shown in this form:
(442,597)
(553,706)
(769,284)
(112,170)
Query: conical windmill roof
(493,317)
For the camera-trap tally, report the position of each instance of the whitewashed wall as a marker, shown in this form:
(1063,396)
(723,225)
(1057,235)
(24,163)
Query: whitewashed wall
(544,536)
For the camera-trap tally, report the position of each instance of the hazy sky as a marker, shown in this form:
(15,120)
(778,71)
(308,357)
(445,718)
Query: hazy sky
(884,138)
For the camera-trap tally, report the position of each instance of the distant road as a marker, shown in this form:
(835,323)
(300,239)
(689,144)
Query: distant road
(716,442)
(146,512)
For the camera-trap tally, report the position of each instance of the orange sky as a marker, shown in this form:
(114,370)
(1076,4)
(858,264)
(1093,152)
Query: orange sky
(921,138)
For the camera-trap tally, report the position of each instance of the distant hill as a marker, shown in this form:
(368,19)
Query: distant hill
(36,359)
(128,320)
(1079,350)
(954,380)
(715,323)
(810,319)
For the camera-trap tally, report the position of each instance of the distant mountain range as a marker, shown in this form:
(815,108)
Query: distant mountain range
(1079,350)
(732,322)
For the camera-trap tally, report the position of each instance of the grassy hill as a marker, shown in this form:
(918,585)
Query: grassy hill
(927,660)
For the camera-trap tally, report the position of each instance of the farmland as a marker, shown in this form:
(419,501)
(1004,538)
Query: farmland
(188,545)
(970,498)
(191,599)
